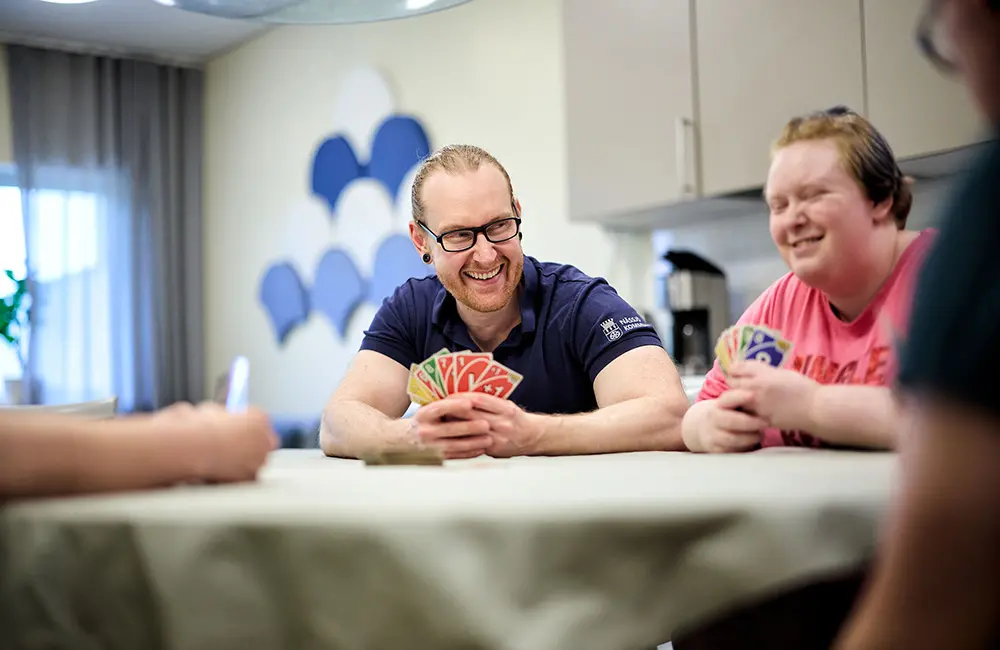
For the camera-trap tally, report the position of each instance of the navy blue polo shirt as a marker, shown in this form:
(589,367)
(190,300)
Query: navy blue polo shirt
(572,326)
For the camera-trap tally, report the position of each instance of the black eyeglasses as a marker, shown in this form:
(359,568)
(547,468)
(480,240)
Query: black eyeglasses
(934,42)
(462,239)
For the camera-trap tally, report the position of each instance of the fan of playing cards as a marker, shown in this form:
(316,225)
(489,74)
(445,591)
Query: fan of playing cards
(447,373)
(752,342)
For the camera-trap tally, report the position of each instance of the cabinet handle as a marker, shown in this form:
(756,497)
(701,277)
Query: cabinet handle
(681,125)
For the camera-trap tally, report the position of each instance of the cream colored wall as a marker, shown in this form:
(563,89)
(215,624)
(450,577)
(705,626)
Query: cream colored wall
(488,73)
(6,143)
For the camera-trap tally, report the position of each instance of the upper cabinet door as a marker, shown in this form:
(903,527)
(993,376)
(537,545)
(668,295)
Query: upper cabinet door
(760,63)
(916,107)
(628,96)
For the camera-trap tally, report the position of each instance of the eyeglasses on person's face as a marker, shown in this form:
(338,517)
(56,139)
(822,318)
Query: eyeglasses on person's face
(462,239)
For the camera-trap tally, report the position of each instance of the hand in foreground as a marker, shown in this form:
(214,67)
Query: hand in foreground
(225,447)
(513,431)
(724,427)
(453,425)
(783,398)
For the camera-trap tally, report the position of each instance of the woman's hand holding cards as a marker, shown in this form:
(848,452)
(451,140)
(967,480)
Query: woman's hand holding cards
(762,394)
(783,398)
(726,425)
(454,425)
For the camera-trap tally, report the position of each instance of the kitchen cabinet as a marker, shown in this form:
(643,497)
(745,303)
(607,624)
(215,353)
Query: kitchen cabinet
(760,63)
(918,109)
(672,105)
(629,105)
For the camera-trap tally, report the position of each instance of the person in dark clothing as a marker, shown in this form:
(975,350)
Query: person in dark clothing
(936,579)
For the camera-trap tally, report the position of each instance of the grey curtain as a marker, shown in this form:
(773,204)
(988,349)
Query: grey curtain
(108,153)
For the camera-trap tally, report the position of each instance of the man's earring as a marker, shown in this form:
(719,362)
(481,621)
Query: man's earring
(426,257)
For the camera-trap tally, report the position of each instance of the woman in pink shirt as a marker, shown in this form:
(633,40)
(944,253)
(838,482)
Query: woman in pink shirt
(838,204)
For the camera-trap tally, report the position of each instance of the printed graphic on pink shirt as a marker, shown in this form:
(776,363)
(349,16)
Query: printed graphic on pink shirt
(827,349)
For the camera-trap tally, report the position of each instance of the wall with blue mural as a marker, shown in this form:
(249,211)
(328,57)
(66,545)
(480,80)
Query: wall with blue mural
(270,106)
(338,286)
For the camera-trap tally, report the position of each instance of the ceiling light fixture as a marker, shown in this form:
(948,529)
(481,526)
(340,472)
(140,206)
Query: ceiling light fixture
(313,11)
(68,2)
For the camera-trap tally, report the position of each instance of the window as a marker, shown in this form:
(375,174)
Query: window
(64,241)
(67,233)
(72,328)
(12,256)
(67,230)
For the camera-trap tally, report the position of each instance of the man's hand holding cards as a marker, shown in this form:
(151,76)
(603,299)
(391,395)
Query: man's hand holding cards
(460,394)
(457,393)
(448,373)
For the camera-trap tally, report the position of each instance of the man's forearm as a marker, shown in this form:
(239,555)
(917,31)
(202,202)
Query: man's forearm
(43,455)
(350,428)
(854,416)
(640,424)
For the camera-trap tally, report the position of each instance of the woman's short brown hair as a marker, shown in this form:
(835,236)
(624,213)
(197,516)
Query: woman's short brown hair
(864,151)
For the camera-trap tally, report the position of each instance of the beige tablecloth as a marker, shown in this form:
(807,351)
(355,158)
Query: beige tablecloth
(603,552)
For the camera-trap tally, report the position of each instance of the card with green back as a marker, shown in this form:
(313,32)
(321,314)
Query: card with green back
(431,368)
(746,340)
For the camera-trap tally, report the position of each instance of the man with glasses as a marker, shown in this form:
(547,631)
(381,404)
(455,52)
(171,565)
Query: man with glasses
(596,377)
(936,583)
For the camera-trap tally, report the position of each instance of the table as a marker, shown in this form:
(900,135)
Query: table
(592,552)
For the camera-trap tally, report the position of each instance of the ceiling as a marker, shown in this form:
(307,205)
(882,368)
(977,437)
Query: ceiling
(138,28)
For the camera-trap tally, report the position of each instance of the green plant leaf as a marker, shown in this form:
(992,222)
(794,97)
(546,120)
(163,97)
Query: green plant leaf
(11,311)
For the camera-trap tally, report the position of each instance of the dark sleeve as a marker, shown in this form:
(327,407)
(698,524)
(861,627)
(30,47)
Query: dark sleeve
(392,332)
(954,334)
(605,327)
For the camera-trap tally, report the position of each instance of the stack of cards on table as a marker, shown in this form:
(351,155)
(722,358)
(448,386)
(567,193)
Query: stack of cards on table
(415,456)
(447,373)
(752,342)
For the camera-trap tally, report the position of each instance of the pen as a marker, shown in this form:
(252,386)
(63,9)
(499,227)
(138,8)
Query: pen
(238,393)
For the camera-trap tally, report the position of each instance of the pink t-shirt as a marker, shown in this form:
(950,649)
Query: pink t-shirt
(826,348)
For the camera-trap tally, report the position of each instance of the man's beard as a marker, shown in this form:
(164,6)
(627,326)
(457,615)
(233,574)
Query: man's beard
(465,294)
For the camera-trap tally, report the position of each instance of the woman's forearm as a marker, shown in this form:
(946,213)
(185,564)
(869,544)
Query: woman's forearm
(854,416)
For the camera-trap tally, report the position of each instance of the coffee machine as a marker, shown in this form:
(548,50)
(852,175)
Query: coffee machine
(698,298)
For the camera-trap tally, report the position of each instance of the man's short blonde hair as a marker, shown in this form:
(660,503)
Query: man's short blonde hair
(864,152)
(453,159)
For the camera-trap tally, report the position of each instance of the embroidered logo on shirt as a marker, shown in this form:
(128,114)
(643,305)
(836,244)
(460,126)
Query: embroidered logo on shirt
(630,323)
(611,329)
